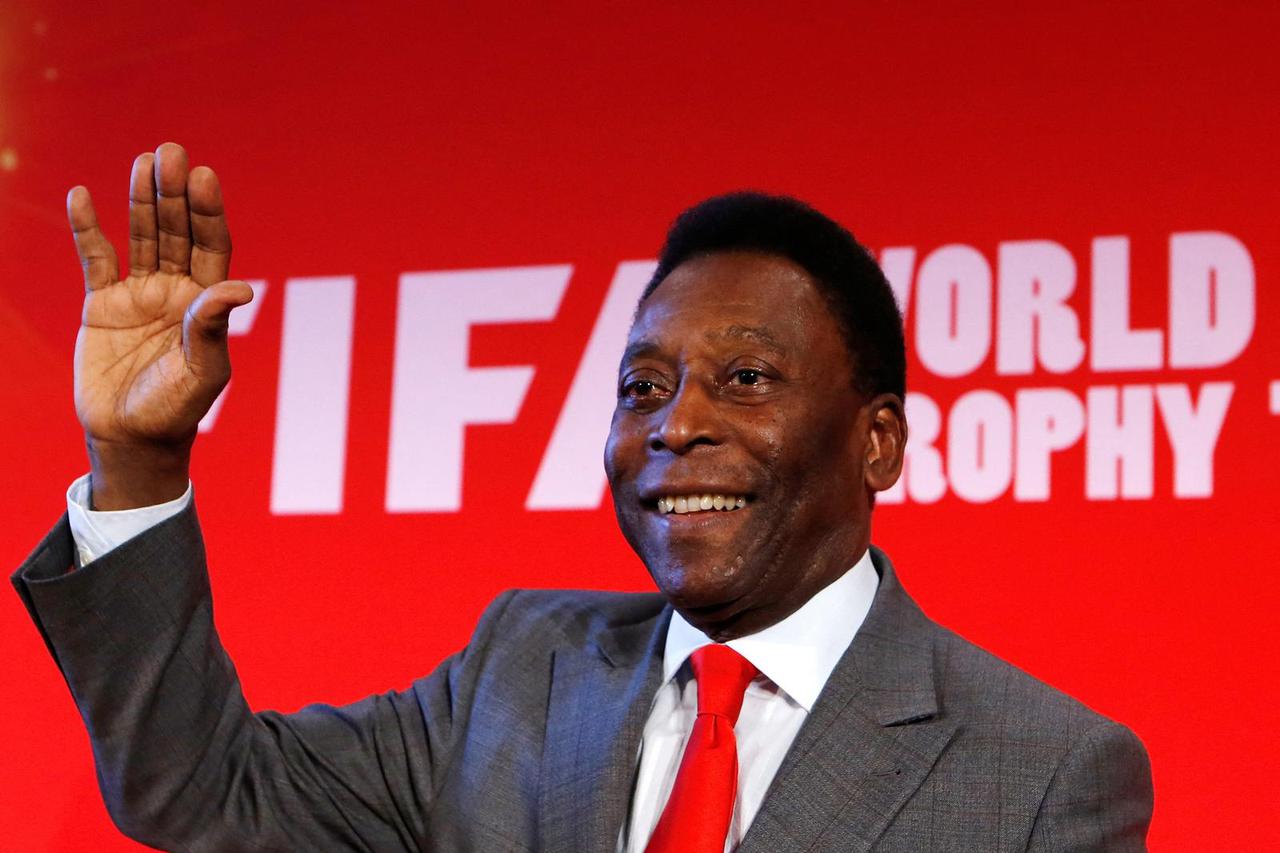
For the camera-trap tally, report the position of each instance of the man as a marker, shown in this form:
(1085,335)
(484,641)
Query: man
(782,693)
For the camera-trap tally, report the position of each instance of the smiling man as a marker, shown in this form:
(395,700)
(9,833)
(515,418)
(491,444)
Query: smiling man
(738,382)
(782,692)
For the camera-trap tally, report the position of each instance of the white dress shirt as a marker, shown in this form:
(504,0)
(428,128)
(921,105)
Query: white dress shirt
(795,657)
(96,532)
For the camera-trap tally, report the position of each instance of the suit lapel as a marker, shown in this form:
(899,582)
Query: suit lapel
(870,741)
(600,699)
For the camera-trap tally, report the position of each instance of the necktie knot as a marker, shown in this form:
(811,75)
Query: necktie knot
(722,675)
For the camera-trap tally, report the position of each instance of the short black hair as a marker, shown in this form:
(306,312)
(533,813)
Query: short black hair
(856,289)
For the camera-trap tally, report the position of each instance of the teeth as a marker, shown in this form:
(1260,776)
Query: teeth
(681,504)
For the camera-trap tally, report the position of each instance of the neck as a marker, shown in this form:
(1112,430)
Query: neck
(751,614)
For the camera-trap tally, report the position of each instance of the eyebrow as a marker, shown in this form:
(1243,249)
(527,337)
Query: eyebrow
(640,349)
(757,334)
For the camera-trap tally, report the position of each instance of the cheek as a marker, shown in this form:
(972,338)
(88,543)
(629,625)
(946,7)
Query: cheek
(767,433)
(782,444)
(624,450)
(811,459)
(610,457)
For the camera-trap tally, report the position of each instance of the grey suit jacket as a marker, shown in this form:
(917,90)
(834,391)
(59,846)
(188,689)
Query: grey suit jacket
(528,738)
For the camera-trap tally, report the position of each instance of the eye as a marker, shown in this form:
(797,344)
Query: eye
(641,390)
(745,376)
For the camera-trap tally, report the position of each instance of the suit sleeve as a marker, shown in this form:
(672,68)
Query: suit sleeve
(183,764)
(1100,798)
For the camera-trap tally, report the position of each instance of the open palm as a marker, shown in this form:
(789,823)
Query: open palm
(151,355)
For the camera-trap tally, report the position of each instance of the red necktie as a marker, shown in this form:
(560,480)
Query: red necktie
(696,819)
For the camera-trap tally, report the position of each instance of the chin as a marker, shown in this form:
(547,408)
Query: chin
(700,585)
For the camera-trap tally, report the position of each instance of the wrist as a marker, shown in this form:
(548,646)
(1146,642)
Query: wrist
(128,476)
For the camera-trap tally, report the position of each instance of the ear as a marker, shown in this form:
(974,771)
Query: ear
(886,441)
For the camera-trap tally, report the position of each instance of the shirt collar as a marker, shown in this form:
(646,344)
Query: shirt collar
(798,653)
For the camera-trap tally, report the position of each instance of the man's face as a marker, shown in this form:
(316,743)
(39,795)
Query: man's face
(736,387)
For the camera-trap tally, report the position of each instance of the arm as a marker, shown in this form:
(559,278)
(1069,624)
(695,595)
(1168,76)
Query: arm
(1100,798)
(183,764)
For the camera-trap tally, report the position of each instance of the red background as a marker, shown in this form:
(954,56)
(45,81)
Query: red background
(375,142)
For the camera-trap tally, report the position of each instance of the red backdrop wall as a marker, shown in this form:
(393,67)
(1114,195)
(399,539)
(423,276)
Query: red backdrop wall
(1104,520)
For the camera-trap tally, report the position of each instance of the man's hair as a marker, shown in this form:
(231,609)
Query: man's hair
(859,295)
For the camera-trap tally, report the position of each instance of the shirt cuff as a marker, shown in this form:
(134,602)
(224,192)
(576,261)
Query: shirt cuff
(96,533)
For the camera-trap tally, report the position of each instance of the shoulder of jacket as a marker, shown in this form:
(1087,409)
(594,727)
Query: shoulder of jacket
(568,614)
(980,687)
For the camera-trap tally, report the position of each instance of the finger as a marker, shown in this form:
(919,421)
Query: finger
(143,246)
(204,328)
(211,252)
(97,255)
(171,209)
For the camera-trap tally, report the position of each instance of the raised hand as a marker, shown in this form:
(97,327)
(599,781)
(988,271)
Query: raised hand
(151,356)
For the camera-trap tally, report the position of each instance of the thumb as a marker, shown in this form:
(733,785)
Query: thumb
(204,328)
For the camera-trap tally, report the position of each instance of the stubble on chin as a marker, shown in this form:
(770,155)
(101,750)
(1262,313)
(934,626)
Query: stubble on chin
(699,585)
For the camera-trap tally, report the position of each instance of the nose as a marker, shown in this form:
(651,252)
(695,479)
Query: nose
(689,419)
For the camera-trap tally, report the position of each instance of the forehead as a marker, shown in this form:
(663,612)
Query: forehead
(737,295)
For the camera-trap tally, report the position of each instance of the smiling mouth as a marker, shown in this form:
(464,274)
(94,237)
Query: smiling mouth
(709,502)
